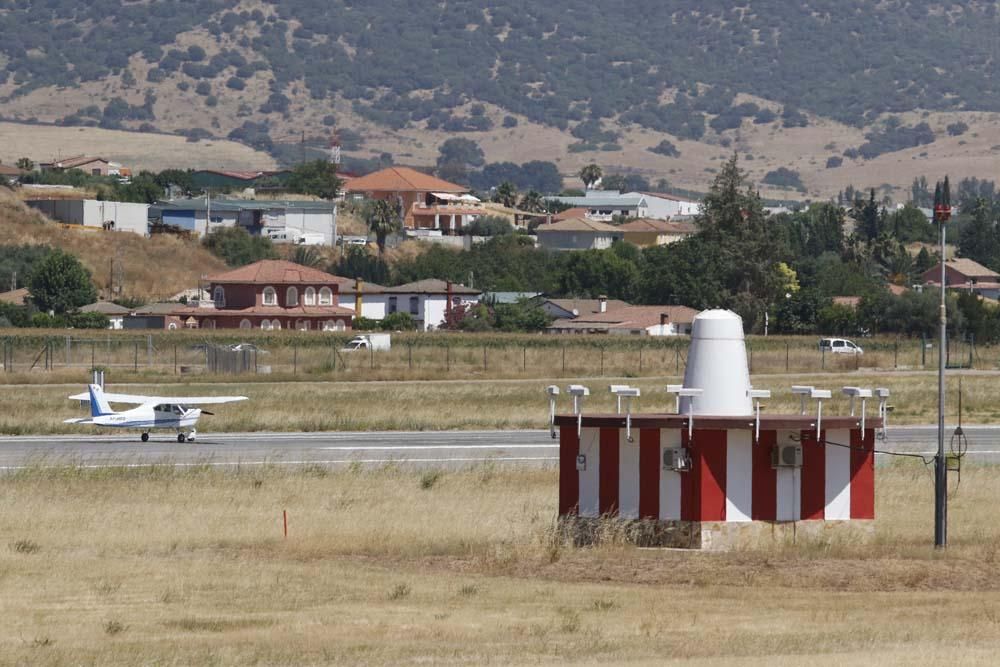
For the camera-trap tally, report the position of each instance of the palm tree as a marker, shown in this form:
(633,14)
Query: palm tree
(383,218)
(533,202)
(307,256)
(590,175)
(506,194)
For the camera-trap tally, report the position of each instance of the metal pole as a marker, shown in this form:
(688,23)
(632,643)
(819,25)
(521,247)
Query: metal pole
(940,470)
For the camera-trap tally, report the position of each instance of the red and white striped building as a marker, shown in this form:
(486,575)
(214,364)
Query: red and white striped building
(732,476)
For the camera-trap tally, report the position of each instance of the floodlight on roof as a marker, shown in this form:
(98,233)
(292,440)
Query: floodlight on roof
(755,395)
(673,389)
(552,391)
(578,391)
(883,409)
(802,391)
(623,391)
(691,393)
(819,395)
(864,395)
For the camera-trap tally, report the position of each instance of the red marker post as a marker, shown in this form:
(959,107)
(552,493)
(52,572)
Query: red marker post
(284,516)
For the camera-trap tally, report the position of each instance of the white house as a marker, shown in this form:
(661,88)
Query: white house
(114,216)
(115,313)
(661,206)
(604,205)
(373,297)
(427,301)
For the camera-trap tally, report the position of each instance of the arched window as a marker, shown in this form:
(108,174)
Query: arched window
(270,297)
(329,325)
(339,325)
(326,297)
(265,324)
(291,297)
(219,297)
(245,324)
(276,324)
(172,326)
(310,296)
(302,325)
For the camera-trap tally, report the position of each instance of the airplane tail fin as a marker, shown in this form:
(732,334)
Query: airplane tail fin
(98,404)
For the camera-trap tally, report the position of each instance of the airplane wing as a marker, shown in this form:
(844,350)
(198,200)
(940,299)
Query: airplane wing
(81,420)
(136,399)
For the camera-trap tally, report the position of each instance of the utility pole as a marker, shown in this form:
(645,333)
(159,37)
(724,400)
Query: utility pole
(942,213)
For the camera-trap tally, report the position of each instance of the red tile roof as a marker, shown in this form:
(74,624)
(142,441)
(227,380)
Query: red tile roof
(569,214)
(275,271)
(402,179)
(76,161)
(577,225)
(6,170)
(431,286)
(660,226)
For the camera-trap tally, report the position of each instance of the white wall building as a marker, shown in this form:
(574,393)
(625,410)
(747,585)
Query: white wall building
(427,301)
(109,215)
(662,206)
(373,297)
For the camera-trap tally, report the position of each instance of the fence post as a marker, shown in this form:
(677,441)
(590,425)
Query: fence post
(409,353)
(447,358)
(295,358)
(822,353)
(175,358)
(484,357)
(524,358)
(149,350)
(602,361)
(923,351)
(93,357)
(640,359)
(371,357)
(564,358)
(895,354)
(786,356)
(135,359)
(677,359)
(69,354)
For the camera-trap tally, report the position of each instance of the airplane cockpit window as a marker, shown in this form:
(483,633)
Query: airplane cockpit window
(177,410)
(161,408)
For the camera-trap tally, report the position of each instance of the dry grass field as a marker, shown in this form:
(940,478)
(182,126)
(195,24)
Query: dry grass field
(383,566)
(481,404)
(155,268)
(137,150)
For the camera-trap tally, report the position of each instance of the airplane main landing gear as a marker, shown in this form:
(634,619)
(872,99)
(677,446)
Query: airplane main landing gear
(180,437)
(144,437)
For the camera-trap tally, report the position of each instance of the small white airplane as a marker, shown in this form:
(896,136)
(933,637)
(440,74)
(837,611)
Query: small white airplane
(173,412)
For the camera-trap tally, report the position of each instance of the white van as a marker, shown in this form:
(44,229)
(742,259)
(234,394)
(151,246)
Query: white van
(839,346)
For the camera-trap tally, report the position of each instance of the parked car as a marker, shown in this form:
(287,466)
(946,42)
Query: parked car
(839,346)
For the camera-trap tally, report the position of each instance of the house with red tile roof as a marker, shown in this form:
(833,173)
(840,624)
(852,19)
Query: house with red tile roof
(95,166)
(427,202)
(270,294)
(647,232)
(633,320)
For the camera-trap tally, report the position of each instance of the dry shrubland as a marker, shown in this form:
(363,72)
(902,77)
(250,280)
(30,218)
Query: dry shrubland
(381,566)
(155,268)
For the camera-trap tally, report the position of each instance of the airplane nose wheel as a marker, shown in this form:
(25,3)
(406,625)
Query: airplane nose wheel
(144,437)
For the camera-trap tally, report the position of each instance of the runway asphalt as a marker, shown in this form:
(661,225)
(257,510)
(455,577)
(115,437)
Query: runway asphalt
(450,449)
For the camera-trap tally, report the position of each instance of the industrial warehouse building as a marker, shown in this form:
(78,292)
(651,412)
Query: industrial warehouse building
(311,222)
(113,216)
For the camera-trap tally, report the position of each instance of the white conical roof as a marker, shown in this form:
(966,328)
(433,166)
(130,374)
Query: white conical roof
(717,364)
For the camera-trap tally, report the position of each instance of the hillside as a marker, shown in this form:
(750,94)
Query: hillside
(155,268)
(792,84)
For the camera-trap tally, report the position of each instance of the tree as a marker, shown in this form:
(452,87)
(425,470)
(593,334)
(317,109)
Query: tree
(307,256)
(25,163)
(506,194)
(532,202)
(60,283)
(317,178)
(358,262)
(456,156)
(590,174)
(979,238)
(383,218)
(237,248)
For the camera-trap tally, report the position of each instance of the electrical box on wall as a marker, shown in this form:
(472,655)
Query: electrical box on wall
(676,459)
(786,456)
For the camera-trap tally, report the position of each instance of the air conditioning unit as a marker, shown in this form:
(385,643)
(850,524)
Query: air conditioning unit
(676,459)
(786,456)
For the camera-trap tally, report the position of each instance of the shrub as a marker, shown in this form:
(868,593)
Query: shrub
(235,83)
(665,147)
(203,88)
(398,321)
(957,129)
(834,161)
(783,177)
